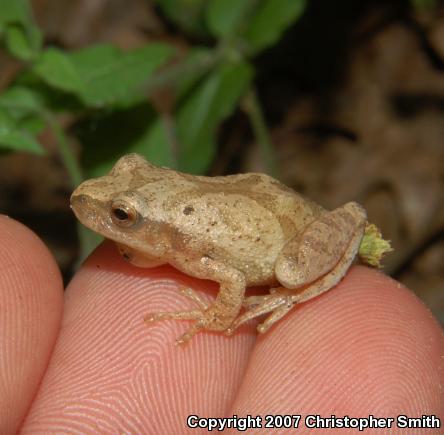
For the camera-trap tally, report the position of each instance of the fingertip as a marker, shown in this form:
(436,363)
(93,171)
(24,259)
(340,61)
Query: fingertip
(109,362)
(30,311)
(369,346)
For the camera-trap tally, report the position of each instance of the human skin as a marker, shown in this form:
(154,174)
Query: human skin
(84,361)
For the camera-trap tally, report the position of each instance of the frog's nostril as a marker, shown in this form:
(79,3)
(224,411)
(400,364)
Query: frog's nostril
(77,202)
(78,198)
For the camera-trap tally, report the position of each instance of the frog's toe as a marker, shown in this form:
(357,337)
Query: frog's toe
(276,293)
(276,315)
(254,301)
(185,338)
(192,295)
(257,306)
(166,315)
(204,320)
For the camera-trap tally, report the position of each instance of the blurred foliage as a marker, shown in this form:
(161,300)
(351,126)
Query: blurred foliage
(424,4)
(106,90)
(115,99)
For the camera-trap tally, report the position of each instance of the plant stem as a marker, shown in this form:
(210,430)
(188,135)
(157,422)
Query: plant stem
(66,154)
(253,109)
(87,239)
(174,74)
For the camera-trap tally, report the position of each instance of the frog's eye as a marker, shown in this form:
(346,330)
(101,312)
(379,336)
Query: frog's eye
(123,214)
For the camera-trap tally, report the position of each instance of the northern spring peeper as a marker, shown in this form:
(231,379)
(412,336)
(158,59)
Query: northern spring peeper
(239,230)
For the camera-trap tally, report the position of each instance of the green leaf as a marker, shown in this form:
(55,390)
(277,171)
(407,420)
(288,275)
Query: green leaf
(17,42)
(155,145)
(57,69)
(140,129)
(102,74)
(22,37)
(270,20)
(7,123)
(110,74)
(20,141)
(187,14)
(223,16)
(24,107)
(24,43)
(20,101)
(14,11)
(14,138)
(109,136)
(203,111)
(32,124)
(51,98)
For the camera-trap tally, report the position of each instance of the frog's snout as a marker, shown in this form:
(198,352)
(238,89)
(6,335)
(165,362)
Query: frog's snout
(78,201)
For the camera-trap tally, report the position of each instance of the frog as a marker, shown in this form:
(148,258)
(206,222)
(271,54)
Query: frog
(239,230)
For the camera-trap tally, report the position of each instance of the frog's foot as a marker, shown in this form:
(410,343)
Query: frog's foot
(201,315)
(278,302)
(195,297)
(180,315)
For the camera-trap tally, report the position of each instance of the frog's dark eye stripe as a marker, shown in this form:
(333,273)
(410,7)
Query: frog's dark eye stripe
(123,214)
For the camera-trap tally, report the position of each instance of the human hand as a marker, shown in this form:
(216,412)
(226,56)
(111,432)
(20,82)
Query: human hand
(85,361)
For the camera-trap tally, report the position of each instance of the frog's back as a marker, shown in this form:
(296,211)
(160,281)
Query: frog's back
(243,220)
(260,214)
(292,209)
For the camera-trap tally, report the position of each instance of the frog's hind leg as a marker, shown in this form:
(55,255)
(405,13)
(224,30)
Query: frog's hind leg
(281,299)
(316,251)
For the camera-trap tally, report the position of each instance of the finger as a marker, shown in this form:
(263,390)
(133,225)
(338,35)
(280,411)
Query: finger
(111,372)
(369,346)
(31,297)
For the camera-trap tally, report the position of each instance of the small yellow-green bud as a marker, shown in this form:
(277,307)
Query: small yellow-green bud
(373,247)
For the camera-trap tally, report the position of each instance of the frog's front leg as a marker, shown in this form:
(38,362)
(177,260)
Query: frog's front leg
(219,315)
(317,259)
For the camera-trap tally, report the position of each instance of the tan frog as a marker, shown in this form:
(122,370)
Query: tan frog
(239,230)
